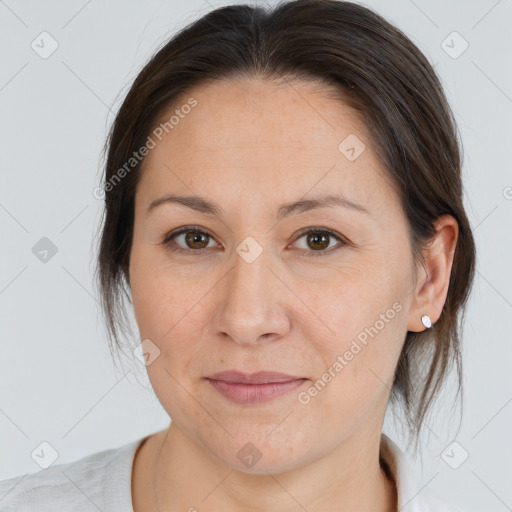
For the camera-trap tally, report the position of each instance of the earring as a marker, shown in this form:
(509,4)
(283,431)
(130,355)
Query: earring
(425,319)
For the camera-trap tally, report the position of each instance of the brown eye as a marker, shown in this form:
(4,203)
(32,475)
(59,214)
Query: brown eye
(188,240)
(196,239)
(318,242)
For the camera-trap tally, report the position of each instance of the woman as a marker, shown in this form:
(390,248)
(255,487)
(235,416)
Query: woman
(284,213)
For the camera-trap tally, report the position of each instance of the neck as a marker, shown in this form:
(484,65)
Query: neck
(187,477)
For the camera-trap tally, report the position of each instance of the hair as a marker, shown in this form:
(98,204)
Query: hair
(375,69)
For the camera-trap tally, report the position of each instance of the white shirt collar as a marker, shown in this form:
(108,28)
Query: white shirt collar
(412,496)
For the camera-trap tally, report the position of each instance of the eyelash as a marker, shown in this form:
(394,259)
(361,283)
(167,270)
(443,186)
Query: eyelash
(197,252)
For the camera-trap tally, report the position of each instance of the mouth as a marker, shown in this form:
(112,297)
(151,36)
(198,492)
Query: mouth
(261,377)
(255,388)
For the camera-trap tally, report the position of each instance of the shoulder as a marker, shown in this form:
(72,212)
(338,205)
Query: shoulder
(100,481)
(412,496)
(432,502)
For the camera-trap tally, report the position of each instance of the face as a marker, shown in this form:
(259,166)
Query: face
(318,293)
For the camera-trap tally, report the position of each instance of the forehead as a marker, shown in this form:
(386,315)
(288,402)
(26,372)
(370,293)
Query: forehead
(257,136)
(256,112)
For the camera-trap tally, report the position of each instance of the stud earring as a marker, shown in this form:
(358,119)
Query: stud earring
(425,319)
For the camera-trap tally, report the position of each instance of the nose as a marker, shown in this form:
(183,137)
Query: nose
(252,303)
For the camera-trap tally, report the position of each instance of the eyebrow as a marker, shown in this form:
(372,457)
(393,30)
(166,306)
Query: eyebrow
(202,205)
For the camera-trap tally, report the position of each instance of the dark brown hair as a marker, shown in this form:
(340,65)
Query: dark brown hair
(378,71)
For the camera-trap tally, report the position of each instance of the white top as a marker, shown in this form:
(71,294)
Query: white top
(102,481)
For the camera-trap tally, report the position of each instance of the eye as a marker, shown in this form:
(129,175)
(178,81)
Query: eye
(319,240)
(193,239)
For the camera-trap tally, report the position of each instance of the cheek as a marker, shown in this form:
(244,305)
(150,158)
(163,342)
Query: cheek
(170,312)
(362,333)
(358,373)
(162,297)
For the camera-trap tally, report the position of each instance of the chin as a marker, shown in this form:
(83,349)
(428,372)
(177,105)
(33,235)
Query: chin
(260,455)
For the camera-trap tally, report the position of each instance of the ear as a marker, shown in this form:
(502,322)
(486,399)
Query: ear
(432,286)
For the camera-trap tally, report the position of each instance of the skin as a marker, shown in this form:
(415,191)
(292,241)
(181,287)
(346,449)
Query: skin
(249,146)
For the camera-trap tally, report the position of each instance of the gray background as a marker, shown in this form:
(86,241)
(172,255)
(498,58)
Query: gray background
(57,380)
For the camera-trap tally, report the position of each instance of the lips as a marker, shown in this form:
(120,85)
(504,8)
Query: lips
(255,388)
(262,377)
